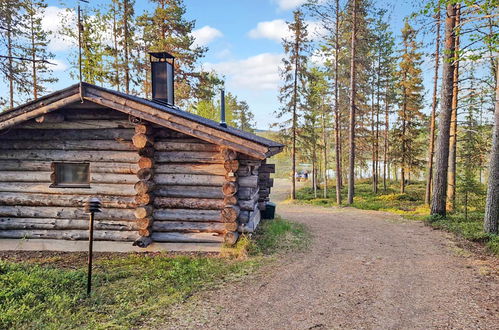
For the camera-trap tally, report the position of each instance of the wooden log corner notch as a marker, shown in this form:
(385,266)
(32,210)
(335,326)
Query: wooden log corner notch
(230,210)
(143,140)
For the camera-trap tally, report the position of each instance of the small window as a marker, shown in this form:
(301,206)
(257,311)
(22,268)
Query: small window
(71,175)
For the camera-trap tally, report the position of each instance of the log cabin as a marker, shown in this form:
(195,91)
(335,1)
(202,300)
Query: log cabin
(167,179)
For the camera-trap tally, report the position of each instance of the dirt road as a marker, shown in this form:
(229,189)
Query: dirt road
(364,270)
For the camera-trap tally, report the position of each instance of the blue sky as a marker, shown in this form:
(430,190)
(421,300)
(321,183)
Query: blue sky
(243,37)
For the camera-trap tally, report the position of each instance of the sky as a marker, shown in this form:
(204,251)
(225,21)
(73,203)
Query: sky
(244,42)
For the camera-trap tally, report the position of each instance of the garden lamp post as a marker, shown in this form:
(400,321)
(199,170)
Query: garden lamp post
(92,206)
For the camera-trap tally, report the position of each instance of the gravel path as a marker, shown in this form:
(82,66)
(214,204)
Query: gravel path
(364,270)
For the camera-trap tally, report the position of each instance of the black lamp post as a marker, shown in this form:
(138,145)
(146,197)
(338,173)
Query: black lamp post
(92,206)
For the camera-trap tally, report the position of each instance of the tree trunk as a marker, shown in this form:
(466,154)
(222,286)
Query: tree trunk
(491,219)
(337,106)
(438,206)
(126,35)
(295,123)
(351,169)
(451,180)
(385,139)
(10,62)
(431,149)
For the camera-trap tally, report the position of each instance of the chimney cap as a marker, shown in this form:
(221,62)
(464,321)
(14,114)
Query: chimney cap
(161,55)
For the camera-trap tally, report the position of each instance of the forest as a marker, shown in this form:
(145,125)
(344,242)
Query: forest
(353,104)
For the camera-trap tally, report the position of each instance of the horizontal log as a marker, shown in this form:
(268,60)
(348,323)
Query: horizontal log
(188,157)
(183,146)
(65,155)
(248,181)
(92,114)
(245,216)
(114,145)
(228,154)
(244,170)
(146,152)
(248,204)
(230,238)
(145,223)
(230,200)
(189,179)
(231,165)
(230,213)
(62,212)
(34,199)
(145,174)
(263,176)
(44,166)
(143,212)
(50,118)
(143,199)
(174,226)
(252,224)
(186,215)
(78,124)
(229,188)
(146,162)
(68,134)
(189,191)
(145,232)
(99,235)
(187,237)
(65,224)
(144,129)
(18,176)
(168,134)
(143,187)
(99,189)
(142,140)
(189,203)
(190,168)
(267,168)
(247,192)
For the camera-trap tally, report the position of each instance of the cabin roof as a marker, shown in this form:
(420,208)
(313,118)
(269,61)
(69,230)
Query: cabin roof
(148,110)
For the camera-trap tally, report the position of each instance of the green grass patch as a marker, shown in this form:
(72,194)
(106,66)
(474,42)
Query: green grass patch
(129,291)
(280,235)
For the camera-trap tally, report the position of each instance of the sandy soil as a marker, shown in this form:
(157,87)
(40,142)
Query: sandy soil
(364,270)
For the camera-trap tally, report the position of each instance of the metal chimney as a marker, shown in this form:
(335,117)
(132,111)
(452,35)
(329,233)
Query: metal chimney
(222,108)
(162,77)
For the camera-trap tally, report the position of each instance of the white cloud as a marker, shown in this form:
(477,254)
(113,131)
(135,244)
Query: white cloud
(59,65)
(205,35)
(260,72)
(278,29)
(274,30)
(289,4)
(53,19)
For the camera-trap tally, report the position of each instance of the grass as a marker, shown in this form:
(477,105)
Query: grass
(129,290)
(409,205)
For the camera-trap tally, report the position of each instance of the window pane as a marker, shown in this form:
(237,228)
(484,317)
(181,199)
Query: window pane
(72,173)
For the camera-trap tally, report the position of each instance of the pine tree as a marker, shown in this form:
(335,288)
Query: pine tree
(410,86)
(438,202)
(37,48)
(244,119)
(13,68)
(294,77)
(167,30)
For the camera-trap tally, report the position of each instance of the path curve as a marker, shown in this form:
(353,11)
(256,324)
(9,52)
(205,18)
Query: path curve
(364,270)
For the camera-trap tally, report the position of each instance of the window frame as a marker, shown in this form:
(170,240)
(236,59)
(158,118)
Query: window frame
(56,166)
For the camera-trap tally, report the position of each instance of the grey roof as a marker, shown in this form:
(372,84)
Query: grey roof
(47,99)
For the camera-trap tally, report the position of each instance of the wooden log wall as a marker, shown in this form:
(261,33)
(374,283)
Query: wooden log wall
(30,208)
(248,194)
(143,140)
(194,190)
